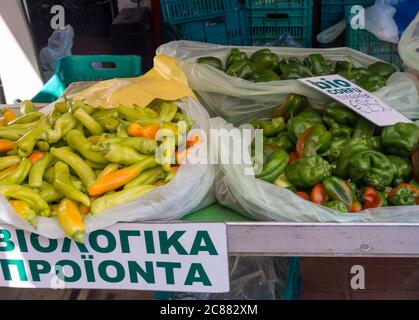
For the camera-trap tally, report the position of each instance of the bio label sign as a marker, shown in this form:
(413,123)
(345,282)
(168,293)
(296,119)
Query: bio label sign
(189,257)
(356,98)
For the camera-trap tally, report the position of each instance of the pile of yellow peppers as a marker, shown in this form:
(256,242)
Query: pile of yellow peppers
(80,160)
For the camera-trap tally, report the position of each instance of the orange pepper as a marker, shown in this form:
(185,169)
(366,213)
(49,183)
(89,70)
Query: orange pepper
(9,114)
(195,140)
(3,122)
(116,179)
(83,209)
(35,156)
(150,131)
(318,194)
(303,195)
(6,145)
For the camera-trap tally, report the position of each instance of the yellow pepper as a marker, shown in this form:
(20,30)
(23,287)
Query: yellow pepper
(70,220)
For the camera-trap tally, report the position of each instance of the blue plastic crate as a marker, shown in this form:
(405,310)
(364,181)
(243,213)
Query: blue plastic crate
(270,19)
(230,29)
(182,11)
(333,11)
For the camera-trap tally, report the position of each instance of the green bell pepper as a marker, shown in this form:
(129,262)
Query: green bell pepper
(314,140)
(211,61)
(265,59)
(402,169)
(302,121)
(337,189)
(402,196)
(372,168)
(337,205)
(353,147)
(356,74)
(341,135)
(265,75)
(413,182)
(307,171)
(242,69)
(382,69)
(282,140)
(343,66)
(291,106)
(371,83)
(364,129)
(340,113)
(235,56)
(375,144)
(274,166)
(270,127)
(318,65)
(400,138)
(288,60)
(295,70)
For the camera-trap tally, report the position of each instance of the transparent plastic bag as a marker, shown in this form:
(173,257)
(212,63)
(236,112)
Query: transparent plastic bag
(239,101)
(409,46)
(251,278)
(59,45)
(191,189)
(379,21)
(263,201)
(284,40)
(332,33)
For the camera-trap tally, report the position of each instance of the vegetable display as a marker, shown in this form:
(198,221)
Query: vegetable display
(80,160)
(335,158)
(264,65)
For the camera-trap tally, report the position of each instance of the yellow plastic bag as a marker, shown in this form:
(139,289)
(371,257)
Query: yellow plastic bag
(165,81)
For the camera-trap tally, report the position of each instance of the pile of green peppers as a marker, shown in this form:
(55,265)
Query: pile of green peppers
(80,160)
(335,158)
(264,65)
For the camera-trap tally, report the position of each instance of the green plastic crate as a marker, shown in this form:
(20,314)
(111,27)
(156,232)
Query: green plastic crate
(270,19)
(182,11)
(366,42)
(72,69)
(230,29)
(277,4)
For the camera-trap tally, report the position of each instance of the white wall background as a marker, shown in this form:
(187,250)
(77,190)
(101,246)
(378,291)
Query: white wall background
(18,64)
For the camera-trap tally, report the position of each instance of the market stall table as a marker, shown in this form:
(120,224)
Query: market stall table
(246,237)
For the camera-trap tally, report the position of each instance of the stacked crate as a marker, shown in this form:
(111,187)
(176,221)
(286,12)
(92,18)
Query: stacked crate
(214,21)
(280,22)
(364,41)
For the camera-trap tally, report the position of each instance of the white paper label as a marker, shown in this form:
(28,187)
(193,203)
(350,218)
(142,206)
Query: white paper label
(356,98)
(190,257)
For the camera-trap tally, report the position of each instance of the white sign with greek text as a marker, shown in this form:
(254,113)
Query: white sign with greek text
(190,257)
(357,99)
